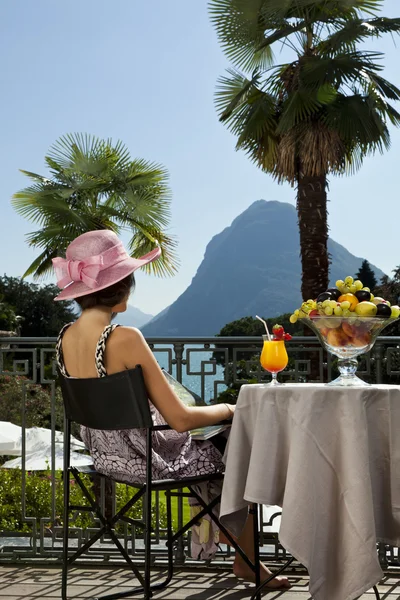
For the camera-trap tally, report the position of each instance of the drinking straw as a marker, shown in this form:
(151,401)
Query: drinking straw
(265,325)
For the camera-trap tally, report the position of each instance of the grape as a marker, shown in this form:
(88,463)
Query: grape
(358,284)
(372,298)
(338,310)
(296,312)
(308,306)
(332,303)
(345,305)
(346,312)
(293,318)
(345,289)
(339,284)
(348,280)
(353,289)
(329,311)
(325,303)
(366,289)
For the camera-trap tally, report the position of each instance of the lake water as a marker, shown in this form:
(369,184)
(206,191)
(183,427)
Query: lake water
(197,361)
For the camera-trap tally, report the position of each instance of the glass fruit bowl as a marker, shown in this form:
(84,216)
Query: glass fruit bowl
(347,338)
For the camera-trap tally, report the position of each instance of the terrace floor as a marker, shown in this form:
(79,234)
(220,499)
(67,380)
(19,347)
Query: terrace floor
(30,582)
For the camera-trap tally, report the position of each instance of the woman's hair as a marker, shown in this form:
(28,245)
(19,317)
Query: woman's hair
(110,296)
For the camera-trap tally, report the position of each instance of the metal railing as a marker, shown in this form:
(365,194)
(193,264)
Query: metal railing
(210,366)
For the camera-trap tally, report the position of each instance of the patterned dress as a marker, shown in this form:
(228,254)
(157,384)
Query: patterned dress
(121,454)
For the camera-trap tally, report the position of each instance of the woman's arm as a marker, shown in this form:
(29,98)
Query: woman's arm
(180,417)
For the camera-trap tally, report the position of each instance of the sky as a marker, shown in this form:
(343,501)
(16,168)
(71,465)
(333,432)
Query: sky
(146,73)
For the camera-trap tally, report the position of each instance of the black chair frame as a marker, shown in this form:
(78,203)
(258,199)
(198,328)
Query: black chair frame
(87,402)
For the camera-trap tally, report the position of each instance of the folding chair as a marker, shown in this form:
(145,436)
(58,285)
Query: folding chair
(120,401)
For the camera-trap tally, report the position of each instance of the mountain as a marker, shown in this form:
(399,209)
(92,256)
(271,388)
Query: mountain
(133,317)
(252,267)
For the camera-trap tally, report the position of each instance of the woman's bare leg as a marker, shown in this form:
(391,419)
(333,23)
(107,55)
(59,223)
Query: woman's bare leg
(241,569)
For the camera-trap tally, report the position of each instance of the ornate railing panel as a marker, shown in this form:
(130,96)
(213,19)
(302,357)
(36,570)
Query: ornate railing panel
(208,366)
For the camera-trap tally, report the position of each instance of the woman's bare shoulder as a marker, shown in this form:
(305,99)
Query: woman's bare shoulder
(126,335)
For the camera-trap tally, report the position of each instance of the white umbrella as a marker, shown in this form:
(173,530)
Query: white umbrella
(41,460)
(9,435)
(36,439)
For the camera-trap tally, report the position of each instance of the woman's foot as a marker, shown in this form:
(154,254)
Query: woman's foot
(243,571)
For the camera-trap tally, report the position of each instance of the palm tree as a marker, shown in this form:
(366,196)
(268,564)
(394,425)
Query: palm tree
(320,114)
(94,184)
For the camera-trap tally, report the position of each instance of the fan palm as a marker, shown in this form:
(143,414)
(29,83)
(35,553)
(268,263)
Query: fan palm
(94,184)
(320,114)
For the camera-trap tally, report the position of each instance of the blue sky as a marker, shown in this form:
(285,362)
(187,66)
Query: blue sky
(145,73)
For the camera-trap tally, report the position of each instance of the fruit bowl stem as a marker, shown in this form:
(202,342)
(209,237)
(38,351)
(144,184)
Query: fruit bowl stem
(347,369)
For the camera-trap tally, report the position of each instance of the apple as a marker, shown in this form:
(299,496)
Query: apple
(378,300)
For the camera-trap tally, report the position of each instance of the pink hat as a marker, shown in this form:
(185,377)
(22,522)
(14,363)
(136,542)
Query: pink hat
(94,261)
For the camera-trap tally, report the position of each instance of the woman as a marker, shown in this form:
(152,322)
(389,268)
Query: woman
(98,274)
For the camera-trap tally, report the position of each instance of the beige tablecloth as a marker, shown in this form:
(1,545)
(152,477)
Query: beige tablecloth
(330,457)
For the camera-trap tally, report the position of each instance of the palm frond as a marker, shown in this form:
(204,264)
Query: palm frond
(300,106)
(142,242)
(233,91)
(358,122)
(387,89)
(38,204)
(285,30)
(349,33)
(42,265)
(34,176)
(240,33)
(259,118)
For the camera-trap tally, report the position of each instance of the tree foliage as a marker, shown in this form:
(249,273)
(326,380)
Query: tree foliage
(367,275)
(41,316)
(95,184)
(8,318)
(324,111)
(389,289)
(248,326)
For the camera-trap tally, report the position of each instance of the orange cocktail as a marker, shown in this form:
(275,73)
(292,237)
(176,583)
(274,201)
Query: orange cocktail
(274,357)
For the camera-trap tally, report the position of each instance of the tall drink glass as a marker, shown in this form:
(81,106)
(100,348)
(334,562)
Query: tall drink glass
(274,358)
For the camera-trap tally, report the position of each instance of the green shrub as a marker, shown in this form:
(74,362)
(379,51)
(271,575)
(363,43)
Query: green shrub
(38,497)
(16,390)
(13,390)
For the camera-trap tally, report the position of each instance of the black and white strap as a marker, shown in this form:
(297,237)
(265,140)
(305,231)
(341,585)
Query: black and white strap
(100,349)
(59,352)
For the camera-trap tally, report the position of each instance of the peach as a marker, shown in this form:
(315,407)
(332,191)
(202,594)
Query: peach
(361,339)
(337,338)
(349,330)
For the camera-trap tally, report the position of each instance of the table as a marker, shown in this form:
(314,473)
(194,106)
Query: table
(330,457)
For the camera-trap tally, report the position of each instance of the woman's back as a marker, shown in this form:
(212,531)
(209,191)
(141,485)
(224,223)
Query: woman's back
(80,345)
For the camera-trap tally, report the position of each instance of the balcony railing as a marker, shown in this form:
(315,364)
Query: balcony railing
(207,365)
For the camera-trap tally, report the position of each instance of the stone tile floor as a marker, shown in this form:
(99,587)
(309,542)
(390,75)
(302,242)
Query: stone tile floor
(42,582)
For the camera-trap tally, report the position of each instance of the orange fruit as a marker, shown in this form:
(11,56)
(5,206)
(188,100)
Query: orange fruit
(349,298)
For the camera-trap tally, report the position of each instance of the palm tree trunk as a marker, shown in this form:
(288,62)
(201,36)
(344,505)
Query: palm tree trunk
(313,225)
